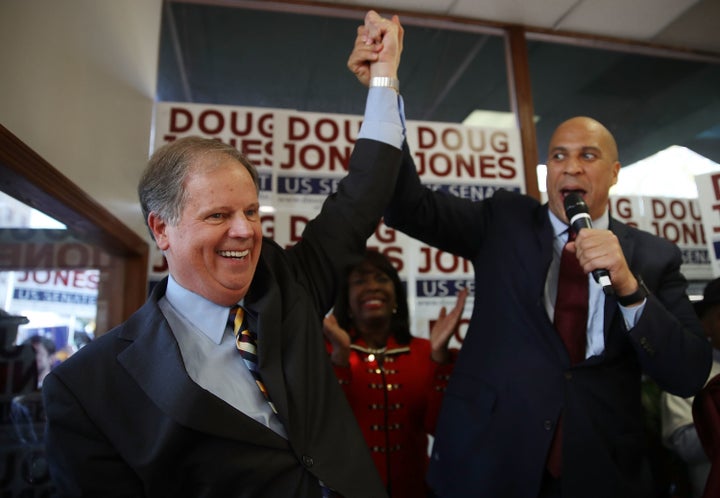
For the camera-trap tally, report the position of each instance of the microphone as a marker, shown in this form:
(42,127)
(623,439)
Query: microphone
(577,213)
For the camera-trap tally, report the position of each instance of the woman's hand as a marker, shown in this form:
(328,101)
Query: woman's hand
(339,339)
(445,326)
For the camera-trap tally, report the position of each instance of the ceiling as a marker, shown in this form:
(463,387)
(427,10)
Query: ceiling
(292,55)
(691,24)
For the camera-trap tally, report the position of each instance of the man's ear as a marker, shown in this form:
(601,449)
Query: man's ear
(616,172)
(158,226)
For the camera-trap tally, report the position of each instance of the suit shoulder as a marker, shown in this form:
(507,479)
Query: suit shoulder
(513,199)
(101,351)
(643,237)
(271,250)
(512,207)
(95,355)
(275,259)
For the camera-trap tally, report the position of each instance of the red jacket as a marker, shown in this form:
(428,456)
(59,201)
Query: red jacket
(396,405)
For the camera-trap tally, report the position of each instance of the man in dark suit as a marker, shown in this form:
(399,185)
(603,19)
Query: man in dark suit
(163,405)
(520,419)
(514,381)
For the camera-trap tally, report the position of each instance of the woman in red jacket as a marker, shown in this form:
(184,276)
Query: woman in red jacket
(394,381)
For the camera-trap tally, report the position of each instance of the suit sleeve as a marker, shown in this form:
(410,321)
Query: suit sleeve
(82,462)
(433,217)
(338,235)
(668,337)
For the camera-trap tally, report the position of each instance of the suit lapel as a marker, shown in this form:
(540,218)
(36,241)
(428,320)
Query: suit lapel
(545,235)
(262,304)
(154,361)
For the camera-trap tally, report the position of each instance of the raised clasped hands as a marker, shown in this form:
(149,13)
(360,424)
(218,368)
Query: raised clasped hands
(377,48)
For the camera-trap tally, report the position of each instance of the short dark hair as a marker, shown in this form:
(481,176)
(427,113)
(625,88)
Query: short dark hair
(400,321)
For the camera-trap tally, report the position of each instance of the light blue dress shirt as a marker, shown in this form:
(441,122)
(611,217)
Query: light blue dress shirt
(596,304)
(212,361)
(384,119)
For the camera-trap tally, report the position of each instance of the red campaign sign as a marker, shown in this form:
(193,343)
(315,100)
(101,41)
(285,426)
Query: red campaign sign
(267,221)
(219,121)
(463,153)
(384,239)
(249,130)
(437,262)
(316,142)
(392,244)
(465,167)
(623,208)
(286,229)
(296,226)
(59,279)
(715,181)
(677,220)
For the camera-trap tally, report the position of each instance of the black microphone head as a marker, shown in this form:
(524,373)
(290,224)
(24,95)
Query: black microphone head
(574,204)
(578,215)
(577,211)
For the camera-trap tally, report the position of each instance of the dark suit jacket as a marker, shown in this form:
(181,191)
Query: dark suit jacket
(125,419)
(513,376)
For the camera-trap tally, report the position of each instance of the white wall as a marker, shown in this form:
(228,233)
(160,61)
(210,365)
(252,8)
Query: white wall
(77,84)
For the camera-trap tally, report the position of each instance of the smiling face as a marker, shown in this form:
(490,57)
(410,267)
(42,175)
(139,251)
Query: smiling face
(371,296)
(582,157)
(214,247)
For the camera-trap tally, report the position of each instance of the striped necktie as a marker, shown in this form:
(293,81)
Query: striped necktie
(247,346)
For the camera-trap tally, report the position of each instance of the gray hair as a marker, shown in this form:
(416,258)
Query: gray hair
(162,185)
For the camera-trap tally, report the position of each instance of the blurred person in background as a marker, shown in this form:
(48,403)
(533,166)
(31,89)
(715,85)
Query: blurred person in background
(678,430)
(45,350)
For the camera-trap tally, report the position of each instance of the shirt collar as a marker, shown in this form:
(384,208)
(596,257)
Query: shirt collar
(391,347)
(206,316)
(560,228)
